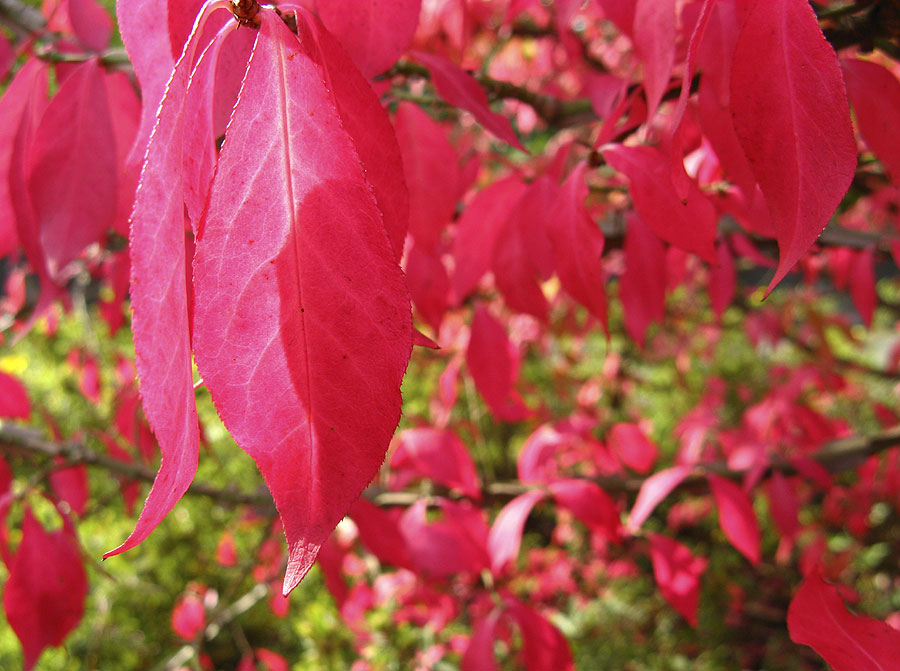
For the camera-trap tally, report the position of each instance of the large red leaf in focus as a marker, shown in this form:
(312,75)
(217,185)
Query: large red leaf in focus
(791,116)
(302,323)
(461,89)
(578,245)
(431,167)
(505,537)
(494,367)
(736,517)
(677,574)
(14,403)
(159,299)
(366,123)
(73,180)
(374,32)
(818,618)
(875,95)
(45,592)
(688,222)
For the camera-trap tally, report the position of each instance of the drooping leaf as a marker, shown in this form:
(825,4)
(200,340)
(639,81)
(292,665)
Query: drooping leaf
(479,654)
(380,533)
(72,180)
(494,367)
(91,24)
(791,116)
(818,618)
(654,489)
(654,43)
(45,592)
(461,89)
(505,538)
(736,517)
(432,173)
(188,617)
(456,543)
(689,222)
(71,485)
(642,287)
(302,349)
(429,284)
(544,648)
(722,280)
(436,454)
(632,447)
(578,245)
(590,505)
(875,96)
(374,32)
(677,572)
(159,299)
(862,284)
(14,402)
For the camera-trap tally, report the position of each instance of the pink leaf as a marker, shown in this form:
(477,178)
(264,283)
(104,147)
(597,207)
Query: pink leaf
(677,573)
(818,618)
(73,177)
(14,403)
(653,491)
(578,245)
(688,222)
(428,283)
(71,485)
(159,299)
(736,517)
(7,56)
(875,96)
(91,24)
(364,119)
(45,592)
(782,505)
(642,287)
(303,351)
(432,173)
(374,32)
(380,533)
(544,648)
(438,455)
(180,15)
(590,504)
(654,43)
(478,232)
(791,116)
(506,531)
(722,280)
(188,617)
(462,90)
(632,447)
(454,544)
(479,655)
(862,284)
(493,367)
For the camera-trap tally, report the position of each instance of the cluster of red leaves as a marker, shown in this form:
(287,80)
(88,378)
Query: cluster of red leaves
(270,215)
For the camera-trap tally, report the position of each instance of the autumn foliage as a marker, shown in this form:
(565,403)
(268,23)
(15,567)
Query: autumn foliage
(521,202)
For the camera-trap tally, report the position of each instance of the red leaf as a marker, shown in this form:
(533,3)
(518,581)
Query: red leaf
(722,280)
(45,592)
(478,232)
(438,455)
(642,287)
(428,283)
(653,491)
(364,120)
(180,15)
(14,403)
(91,24)
(304,335)
(791,116)
(654,43)
(544,648)
(73,175)
(375,33)
(632,447)
(379,532)
(159,299)
(818,618)
(736,517)
(505,538)
(578,245)
(454,544)
(432,173)
(782,505)
(689,222)
(188,617)
(461,89)
(7,56)
(677,573)
(71,485)
(862,284)
(479,655)
(494,367)
(875,96)
(590,504)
